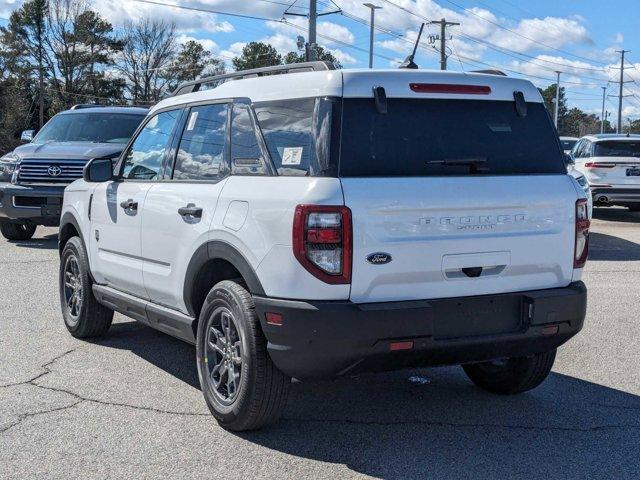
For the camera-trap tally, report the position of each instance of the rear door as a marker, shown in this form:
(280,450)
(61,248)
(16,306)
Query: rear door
(464,198)
(217,140)
(615,162)
(117,206)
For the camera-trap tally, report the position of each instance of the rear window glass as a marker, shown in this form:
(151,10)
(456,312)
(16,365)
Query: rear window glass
(617,149)
(567,144)
(297,134)
(447,137)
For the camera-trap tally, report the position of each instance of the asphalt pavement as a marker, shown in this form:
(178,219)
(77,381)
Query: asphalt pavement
(129,405)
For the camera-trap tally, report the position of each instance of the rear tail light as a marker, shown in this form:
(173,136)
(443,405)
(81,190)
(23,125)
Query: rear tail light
(599,165)
(322,241)
(581,250)
(448,88)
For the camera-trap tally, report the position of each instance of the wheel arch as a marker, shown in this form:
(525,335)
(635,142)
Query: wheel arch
(69,227)
(211,256)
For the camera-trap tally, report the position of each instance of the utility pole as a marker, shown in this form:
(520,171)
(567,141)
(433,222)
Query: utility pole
(310,47)
(443,40)
(619,126)
(313,16)
(40,20)
(373,13)
(602,119)
(557,105)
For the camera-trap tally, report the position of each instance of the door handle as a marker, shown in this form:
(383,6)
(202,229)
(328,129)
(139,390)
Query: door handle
(190,211)
(129,205)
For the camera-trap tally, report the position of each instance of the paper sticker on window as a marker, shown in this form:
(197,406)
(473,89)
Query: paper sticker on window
(192,120)
(292,156)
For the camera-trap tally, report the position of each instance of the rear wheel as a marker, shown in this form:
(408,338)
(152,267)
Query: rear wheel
(83,315)
(511,375)
(17,231)
(242,387)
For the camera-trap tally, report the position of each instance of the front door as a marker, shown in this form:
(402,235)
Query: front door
(117,206)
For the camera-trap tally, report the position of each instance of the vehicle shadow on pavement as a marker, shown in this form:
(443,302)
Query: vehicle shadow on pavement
(616,215)
(435,425)
(609,248)
(47,242)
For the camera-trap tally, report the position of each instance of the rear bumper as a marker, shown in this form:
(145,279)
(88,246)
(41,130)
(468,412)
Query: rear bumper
(324,339)
(615,195)
(36,204)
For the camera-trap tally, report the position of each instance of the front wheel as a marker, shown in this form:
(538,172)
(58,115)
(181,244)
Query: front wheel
(242,387)
(83,315)
(17,231)
(511,375)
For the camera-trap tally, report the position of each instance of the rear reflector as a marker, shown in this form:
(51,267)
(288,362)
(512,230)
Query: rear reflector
(448,88)
(274,319)
(550,330)
(395,346)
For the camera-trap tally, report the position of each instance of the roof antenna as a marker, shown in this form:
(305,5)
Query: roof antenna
(408,62)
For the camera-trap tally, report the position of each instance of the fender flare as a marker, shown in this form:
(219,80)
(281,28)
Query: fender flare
(217,249)
(69,218)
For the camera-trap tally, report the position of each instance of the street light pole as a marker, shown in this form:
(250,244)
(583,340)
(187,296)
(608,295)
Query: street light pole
(371,34)
(602,119)
(555,113)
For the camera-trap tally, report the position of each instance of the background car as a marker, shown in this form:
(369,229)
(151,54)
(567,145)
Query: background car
(33,176)
(611,165)
(568,143)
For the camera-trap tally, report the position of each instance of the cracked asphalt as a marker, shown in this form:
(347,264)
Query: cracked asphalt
(129,405)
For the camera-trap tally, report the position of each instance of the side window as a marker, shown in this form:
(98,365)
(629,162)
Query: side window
(576,149)
(144,158)
(297,134)
(586,149)
(246,155)
(202,154)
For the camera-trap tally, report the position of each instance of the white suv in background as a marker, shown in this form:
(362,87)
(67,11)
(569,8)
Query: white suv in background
(611,165)
(306,222)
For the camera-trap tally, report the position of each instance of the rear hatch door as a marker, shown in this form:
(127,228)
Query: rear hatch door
(455,197)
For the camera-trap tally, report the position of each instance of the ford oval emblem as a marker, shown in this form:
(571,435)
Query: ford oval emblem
(379,258)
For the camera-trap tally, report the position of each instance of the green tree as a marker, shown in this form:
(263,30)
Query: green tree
(255,55)
(321,54)
(191,62)
(549,97)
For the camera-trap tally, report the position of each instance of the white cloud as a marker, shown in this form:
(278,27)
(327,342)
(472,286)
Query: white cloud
(344,58)
(207,43)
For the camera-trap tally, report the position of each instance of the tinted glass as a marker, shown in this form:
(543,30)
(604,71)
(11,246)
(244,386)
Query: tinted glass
(89,127)
(442,137)
(246,155)
(145,156)
(297,134)
(202,150)
(613,148)
(568,144)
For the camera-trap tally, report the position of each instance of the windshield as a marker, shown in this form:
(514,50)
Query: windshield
(617,148)
(89,127)
(446,137)
(568,144)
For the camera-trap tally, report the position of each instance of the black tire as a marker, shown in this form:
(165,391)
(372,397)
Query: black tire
(85,317)
(258,392)
(17,231)
(511,376)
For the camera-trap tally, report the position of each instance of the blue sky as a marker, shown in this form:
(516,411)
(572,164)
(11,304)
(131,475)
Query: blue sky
(524,38)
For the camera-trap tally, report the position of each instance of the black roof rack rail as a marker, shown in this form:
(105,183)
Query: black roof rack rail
(215,80)
(81,106)
(490,72)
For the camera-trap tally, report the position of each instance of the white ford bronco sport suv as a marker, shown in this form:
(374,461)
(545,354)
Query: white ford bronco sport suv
(308,222)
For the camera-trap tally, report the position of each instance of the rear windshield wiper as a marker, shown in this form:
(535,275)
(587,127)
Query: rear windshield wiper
(475,164)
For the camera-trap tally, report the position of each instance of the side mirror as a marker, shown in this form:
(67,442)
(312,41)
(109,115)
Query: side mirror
(27,136)
(98,170)
(568,160)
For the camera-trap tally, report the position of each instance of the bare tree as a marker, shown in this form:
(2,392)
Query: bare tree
(149,49)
